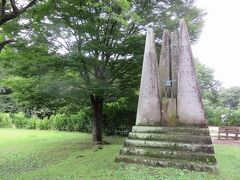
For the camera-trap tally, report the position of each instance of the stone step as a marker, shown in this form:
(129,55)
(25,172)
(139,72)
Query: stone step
(167,154)
(169,130)
(205,148)
(175,137)
(181,164)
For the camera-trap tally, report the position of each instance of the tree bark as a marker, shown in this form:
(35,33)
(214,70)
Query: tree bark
(97,106)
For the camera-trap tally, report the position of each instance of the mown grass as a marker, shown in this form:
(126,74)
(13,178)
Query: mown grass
(33,154)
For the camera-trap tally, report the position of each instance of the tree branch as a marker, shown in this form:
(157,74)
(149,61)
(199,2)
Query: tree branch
(16,12)
(33,2)
(14,7)
(4,43)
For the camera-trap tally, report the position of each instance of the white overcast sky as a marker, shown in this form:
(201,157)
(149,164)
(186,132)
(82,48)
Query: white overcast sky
(219,43)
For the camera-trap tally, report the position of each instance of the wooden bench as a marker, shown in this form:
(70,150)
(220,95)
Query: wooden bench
(228,130)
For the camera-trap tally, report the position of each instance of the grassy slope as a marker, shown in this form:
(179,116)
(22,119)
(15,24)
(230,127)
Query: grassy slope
(27,154)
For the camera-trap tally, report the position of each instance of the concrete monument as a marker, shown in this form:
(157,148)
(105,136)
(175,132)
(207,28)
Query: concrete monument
(171,129)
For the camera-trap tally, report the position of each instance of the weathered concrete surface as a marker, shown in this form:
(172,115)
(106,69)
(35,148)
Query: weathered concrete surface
(177,146)
(164,64)
(189,102)
(174,137)
(149,110)
(159,129)
(170,154)
(182,147)
(169,111)
(172,112)
(196,166)
(165,74)
(164,105)
(174,62)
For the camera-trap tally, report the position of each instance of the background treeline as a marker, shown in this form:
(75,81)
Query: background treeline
(222,105)
(221,108)
(76,66)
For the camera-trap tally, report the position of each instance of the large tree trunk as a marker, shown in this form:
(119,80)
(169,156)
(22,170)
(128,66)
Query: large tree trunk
(97,106)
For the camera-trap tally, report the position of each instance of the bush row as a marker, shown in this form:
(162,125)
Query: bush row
(77,122)
(116,120)
(222,116)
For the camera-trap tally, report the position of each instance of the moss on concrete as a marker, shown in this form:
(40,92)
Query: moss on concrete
(177,137)
(170,130)
(169,154)
(181,147)
(167,163)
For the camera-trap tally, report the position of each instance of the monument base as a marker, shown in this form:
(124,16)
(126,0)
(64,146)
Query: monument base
(181,147)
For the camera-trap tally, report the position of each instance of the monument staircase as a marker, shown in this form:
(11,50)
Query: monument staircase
(182,147)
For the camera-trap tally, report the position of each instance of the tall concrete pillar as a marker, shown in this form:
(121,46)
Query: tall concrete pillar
(149,111)
(189,102)
(164,65)
(165,78)
(174,62)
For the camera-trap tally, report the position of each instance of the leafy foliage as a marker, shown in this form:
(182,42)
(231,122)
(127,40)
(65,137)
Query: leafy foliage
(221,105)
(5,120)
(120,116)
(10,10)
(75,122)
(20,120)
(71,51)
(231,97)
(209,86)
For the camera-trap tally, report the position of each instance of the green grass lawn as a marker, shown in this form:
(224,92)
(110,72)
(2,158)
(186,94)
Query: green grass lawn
(33,154)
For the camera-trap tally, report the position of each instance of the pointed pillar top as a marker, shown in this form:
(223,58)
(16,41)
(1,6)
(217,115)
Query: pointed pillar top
(183,35)
(166,36)
(150,40)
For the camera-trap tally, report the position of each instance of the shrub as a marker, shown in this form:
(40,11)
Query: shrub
(119,117)
(44,124)
(5,120)
(222,116)
(71,123)
(81,121)
(233,118)
(59,121)
(77,122)
(32,123)
(20,120)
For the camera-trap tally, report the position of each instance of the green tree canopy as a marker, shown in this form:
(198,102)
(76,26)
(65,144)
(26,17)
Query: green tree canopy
(101,43)
(208,84)
(231,97)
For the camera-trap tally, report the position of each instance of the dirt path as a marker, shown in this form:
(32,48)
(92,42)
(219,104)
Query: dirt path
(214,134)
(226,142)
